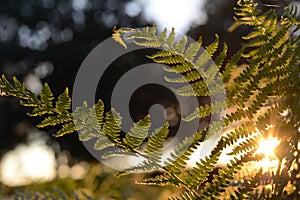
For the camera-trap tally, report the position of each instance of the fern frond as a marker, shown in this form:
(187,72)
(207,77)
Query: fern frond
(66,129)
(198,88)
(54,120)
(245,130)
(191,51)
(160,180)
(144,166)
(187,195)
(63,104)
(118,36)
(212,48)
(116,153)
(112,125)
(222,180)
(188,77)
(181,68)
(219,61)
(156,143)
(245,191)
(180,155)
(137,134)
(102,142)
(208,109)
(199,174)
(47,102)
(170,60)
(266,84)
(247,145)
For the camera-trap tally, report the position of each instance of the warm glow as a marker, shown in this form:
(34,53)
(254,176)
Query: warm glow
(267,147)
(28,163)
(171,13)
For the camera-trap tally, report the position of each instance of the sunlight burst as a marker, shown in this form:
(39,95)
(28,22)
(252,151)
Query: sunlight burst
(267,147)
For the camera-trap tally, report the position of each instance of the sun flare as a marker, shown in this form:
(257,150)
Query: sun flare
(267,146)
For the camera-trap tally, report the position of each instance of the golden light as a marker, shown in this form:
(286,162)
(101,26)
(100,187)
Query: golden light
(267,147)
(28,163)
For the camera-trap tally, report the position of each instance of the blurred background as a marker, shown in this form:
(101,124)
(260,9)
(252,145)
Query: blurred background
(46,41)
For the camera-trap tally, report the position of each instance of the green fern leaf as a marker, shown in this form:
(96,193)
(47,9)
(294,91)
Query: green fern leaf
(46,106)
(66,129)
(63,103)
(99,109)
(160,180)
(156,143)
(180,68)
(211,49)
(192,51)
(137,134)
(144,166)
(180,46)
(118,152)
(112,125)
(54,120)
(102,142)
(171,38)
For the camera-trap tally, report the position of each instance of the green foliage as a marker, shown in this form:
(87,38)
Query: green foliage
(100,183)
(48,195)
(137,134)
(267,85)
